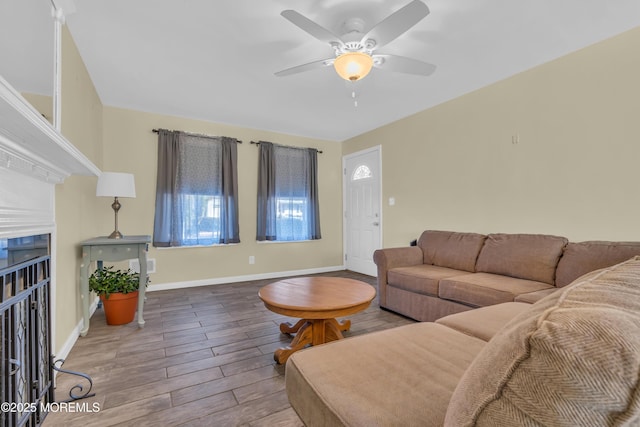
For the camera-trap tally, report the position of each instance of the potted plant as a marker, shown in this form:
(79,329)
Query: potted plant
(118,291)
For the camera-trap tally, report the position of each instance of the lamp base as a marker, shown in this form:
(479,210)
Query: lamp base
(116,207)
(115,235)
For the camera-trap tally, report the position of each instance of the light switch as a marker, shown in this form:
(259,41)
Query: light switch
(392,201)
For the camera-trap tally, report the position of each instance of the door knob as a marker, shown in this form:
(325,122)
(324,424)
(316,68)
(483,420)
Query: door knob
(376,224)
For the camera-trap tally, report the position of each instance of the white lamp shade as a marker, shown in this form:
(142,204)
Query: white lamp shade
(116,184)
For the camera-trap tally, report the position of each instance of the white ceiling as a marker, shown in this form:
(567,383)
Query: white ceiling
(214,60)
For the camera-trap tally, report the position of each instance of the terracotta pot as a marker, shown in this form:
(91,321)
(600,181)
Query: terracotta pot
(120,309)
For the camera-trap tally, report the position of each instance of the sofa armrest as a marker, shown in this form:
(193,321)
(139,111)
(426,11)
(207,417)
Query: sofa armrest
(389,258)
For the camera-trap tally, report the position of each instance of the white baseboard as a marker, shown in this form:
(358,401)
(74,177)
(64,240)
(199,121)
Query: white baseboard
(64,351)
(236,279)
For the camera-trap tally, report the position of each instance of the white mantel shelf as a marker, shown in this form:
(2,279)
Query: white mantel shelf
(30,145)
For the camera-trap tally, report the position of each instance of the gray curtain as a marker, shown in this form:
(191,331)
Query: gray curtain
(196,190)
(266,226)
(165,188)
(230,229)
(314,212)
(288,207)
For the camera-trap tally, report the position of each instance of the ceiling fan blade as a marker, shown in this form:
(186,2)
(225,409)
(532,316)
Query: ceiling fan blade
(401,64)
(306,67)
(397,23)
(311,27)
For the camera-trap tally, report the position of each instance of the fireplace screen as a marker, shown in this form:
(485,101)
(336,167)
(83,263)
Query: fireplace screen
(26,387)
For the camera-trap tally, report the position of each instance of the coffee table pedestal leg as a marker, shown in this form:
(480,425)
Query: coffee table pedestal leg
(310,332)
(289,328)
(333,329)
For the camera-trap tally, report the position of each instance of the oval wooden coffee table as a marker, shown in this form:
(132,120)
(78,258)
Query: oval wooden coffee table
(316,301)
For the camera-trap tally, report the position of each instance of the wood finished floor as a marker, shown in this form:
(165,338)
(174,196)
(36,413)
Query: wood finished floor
(204,358)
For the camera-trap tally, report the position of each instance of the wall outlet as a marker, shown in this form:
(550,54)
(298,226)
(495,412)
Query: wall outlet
(252,259)
(134,264)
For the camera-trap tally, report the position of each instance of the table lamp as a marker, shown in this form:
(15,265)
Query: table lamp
(116,184)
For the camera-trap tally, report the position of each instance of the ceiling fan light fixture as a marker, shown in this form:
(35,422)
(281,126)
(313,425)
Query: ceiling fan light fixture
(353,66)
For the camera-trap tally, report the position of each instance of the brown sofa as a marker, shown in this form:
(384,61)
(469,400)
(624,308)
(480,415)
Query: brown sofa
(570,359)
(450,272)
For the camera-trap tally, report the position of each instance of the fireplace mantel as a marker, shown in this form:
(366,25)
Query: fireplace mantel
(30,145)
(34,156)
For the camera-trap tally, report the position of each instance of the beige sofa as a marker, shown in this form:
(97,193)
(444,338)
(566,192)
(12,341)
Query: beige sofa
(450,272)
(570,359)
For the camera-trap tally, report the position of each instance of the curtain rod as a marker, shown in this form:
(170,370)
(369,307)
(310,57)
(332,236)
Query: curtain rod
(257,143)
(195,134)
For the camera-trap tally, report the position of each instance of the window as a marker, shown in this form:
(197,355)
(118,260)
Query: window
(202,219)
(361,172)
(196,192)
(287,194)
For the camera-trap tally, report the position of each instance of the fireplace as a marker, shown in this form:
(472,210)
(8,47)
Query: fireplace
(18,249)
(26,370)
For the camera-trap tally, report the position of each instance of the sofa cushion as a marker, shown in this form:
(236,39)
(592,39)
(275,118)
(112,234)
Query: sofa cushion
(572,359)
(535,296)
(451,249)
(424,308)
(421,279)
(482,289)
(484,322)
(397,377)
(584,257)
(527,256)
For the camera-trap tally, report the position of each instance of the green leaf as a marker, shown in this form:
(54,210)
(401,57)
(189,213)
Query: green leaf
(106,281)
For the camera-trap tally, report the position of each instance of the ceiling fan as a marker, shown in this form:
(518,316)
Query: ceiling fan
(355,52)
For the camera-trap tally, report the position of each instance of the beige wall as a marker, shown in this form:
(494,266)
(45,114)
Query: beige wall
(76,205)
(574,172)
(131,146)
(42,103)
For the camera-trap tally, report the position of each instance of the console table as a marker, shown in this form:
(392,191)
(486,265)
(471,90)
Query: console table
(101,249)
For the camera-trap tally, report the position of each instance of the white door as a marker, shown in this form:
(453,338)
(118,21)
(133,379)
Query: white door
(362,220)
